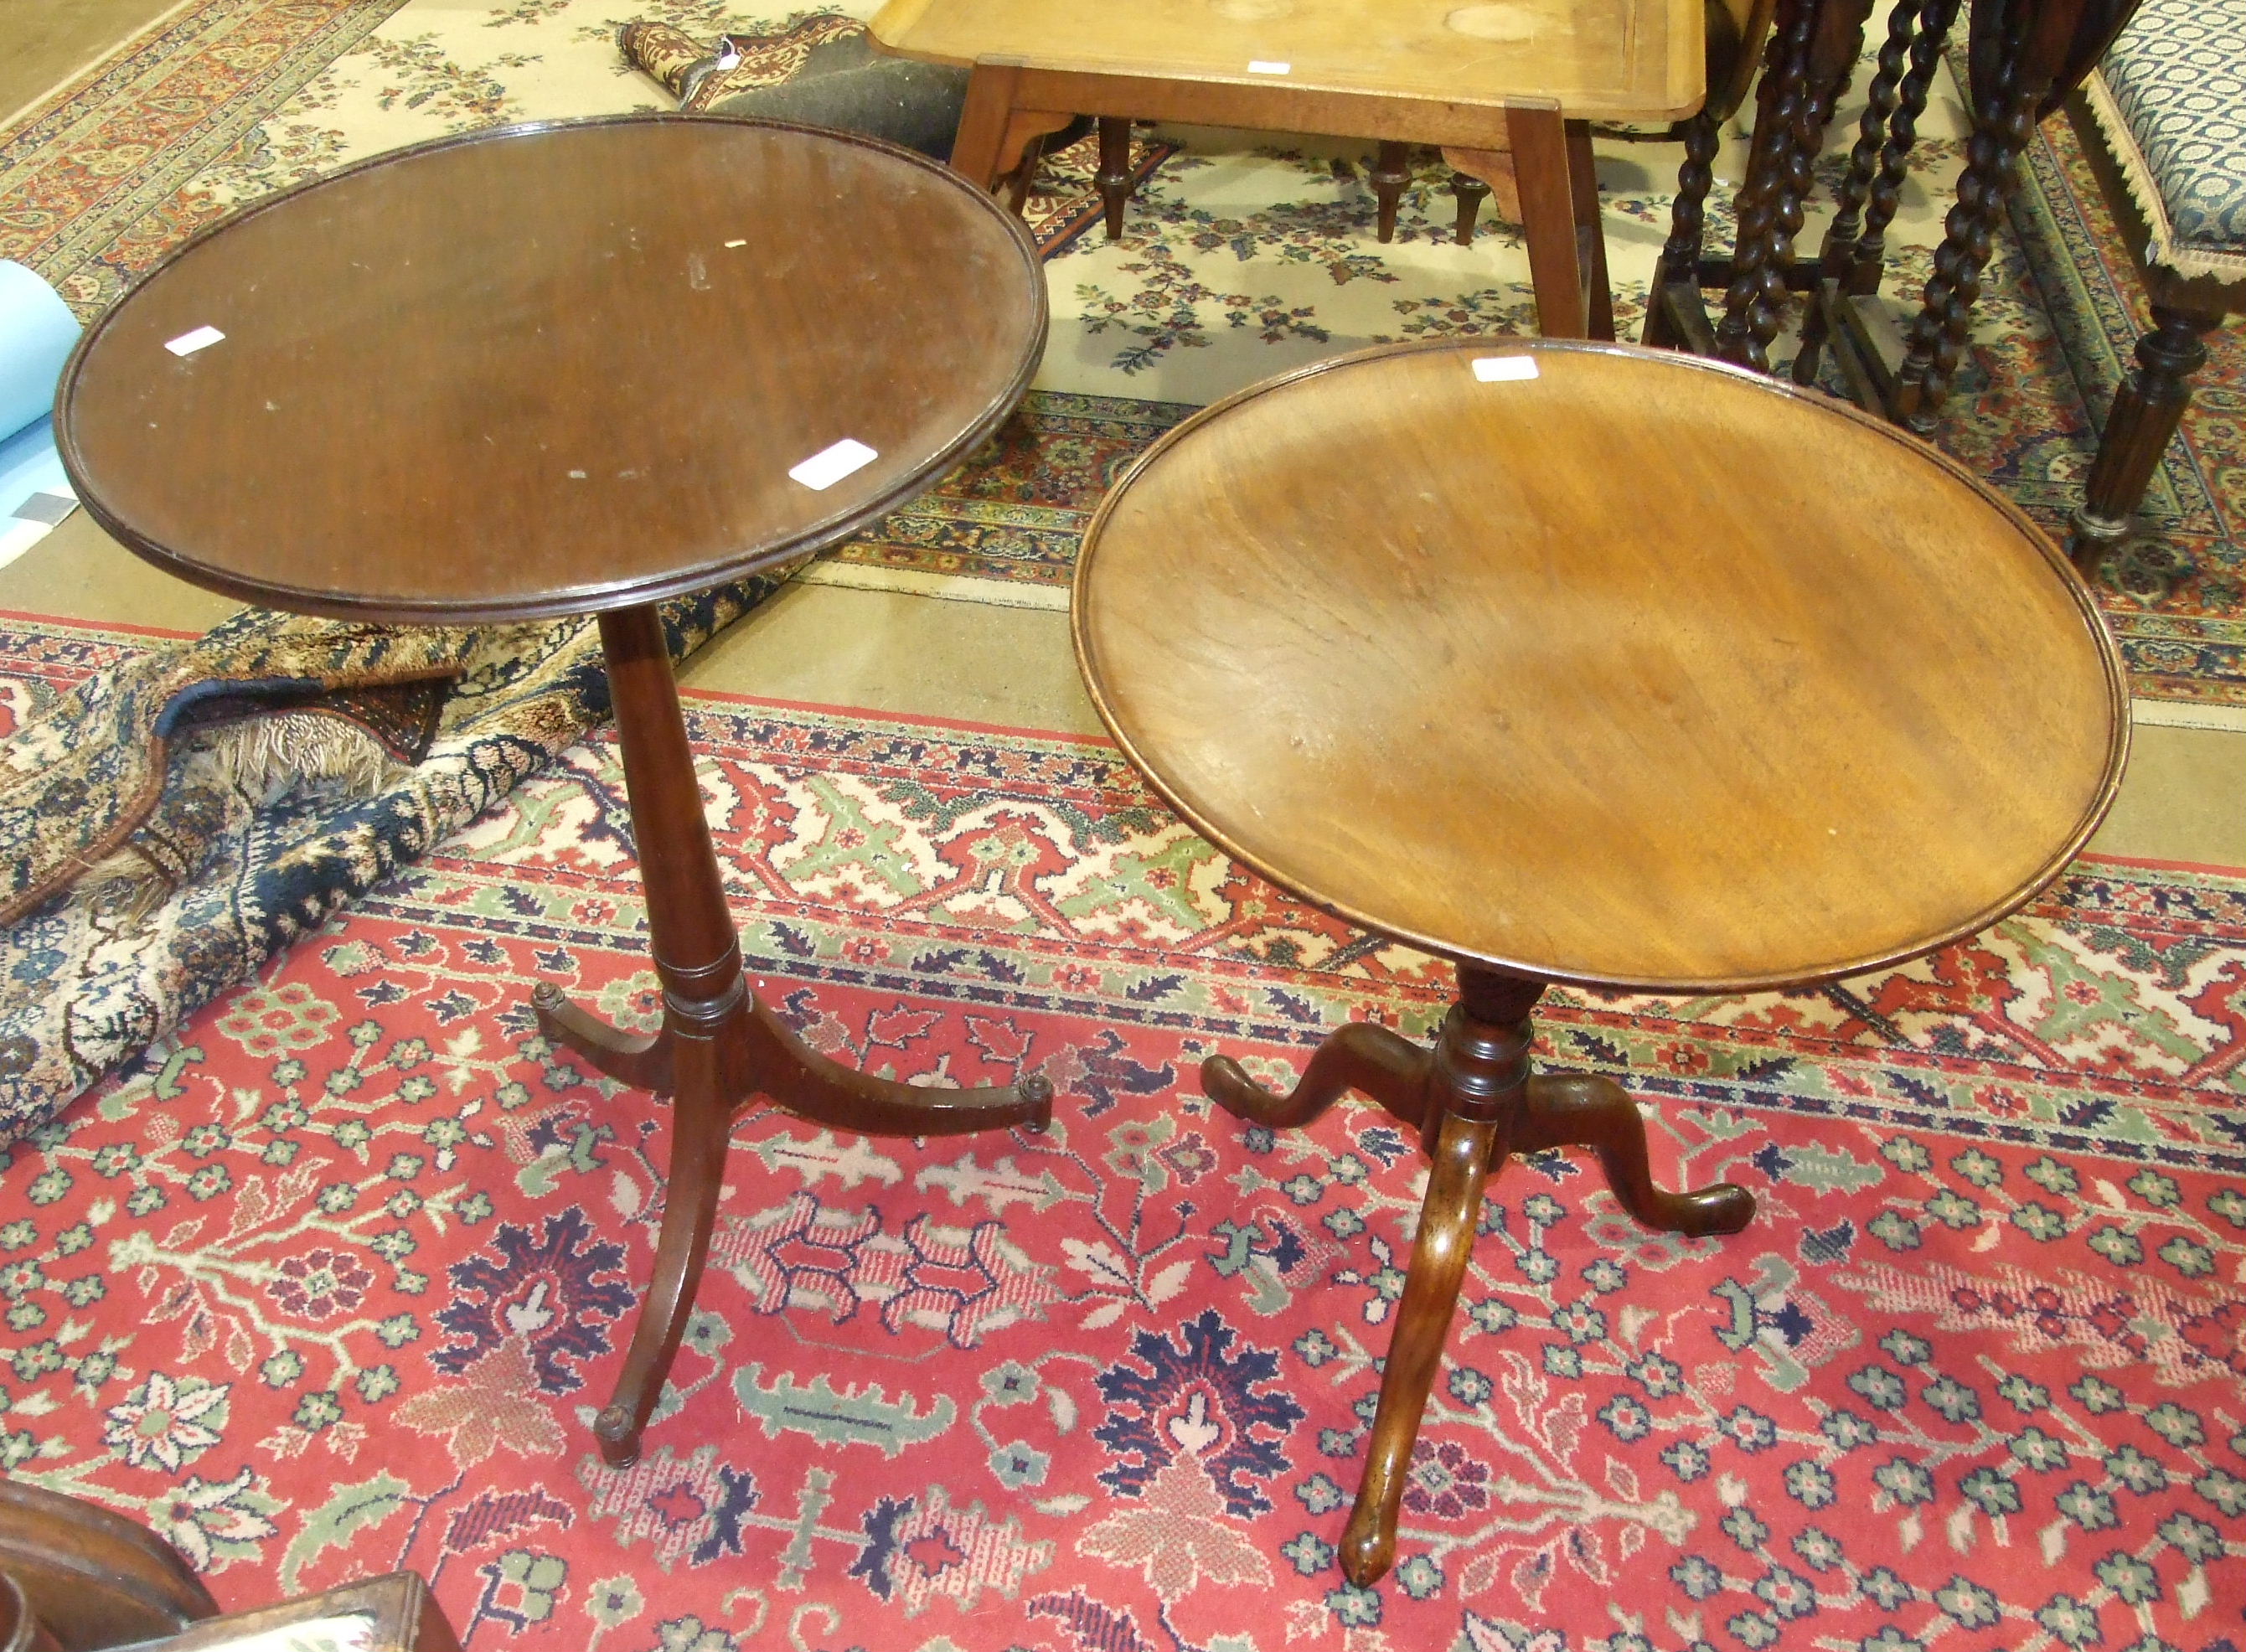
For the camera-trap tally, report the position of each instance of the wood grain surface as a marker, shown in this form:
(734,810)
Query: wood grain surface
(549,369)
(1643,671)
(1600,59)
(91,1577)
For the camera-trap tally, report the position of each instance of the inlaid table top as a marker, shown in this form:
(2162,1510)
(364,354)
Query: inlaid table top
(552,370)
(1602,665)
(1600,59)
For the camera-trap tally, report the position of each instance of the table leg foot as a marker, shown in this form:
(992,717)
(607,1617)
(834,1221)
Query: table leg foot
(780,1064)
(1466,1149)
(618,1434)
(1389,174)
(640,1060)
(1114,175)
(1584,1110)
(1391,1069)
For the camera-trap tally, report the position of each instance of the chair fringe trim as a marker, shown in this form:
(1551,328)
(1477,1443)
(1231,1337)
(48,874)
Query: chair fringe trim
(2137,172)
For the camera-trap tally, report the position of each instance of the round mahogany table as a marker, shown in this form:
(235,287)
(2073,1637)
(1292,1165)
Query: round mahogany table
(1585,663)
(568,369)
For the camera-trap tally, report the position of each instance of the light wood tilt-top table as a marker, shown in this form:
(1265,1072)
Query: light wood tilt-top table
(580,369)
(1478,645)
(1481,79)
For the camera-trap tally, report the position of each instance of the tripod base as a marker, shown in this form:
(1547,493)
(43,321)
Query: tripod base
(1474,1103)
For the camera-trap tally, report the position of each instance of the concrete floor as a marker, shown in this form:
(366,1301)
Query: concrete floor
(2184,798)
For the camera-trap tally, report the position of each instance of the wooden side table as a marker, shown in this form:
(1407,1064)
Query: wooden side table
(1456,686)
(1479,80)
(569,368)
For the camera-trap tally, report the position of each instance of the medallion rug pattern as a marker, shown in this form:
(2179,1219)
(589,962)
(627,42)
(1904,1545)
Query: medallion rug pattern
(333,1279)
(1244,256)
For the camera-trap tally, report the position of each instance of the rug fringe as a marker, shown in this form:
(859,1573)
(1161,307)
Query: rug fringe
(267,757)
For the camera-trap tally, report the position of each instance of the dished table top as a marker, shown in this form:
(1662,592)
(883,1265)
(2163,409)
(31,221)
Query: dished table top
(1600,665)
(552,370)
(1600,59)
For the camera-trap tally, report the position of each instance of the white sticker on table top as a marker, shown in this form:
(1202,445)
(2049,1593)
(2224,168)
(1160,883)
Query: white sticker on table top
(188,343)
(1491,369)
(1260,67)
(830,464)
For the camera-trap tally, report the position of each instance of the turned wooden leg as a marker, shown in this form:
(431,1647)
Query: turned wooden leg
(718,1046)
(1464,1150)
(2146,408)
(698,958)
(1390,1069)
(1587,1111)
(1469,191)
(2001,126)
(1812,81)
(1478,176)
(1882,97)
(1115,179)
(1389,171)
(1868,258)
(1680,264)
(1837,256)
(1750,319)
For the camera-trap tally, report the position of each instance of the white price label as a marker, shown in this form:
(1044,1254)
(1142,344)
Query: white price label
(830,464)
(188,343)
(1490,369)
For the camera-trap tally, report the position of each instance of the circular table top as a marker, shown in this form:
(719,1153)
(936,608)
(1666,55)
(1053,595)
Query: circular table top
(1601,666)
(552,370)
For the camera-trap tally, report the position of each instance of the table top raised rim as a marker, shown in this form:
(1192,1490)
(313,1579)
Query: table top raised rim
(2114,671)
(579,600)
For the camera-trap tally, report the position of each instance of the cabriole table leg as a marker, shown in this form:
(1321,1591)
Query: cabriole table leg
(1476,1105)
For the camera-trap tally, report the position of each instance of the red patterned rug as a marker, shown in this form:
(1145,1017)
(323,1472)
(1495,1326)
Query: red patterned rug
(332,1281)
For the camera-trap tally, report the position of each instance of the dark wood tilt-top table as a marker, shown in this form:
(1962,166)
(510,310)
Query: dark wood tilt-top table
(1481,645)
(580,369)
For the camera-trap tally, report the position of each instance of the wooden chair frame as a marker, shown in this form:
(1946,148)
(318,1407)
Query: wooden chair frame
(2152,397)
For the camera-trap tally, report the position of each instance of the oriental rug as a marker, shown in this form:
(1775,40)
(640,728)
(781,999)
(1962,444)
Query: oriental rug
(1244,256)
(333,1279)
(169,821)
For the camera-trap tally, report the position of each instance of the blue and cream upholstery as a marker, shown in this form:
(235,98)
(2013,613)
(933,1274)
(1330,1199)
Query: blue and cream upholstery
(2170,100)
